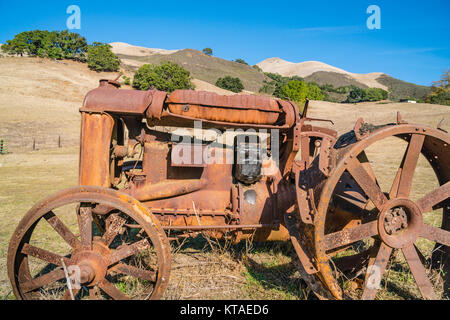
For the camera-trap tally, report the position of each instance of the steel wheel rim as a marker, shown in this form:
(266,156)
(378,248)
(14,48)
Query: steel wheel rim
(384,251)
(127,205)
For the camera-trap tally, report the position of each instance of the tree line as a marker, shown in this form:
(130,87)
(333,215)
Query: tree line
(59,45)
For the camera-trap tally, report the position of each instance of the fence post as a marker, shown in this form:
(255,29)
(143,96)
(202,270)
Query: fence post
(59,141)
(34,144)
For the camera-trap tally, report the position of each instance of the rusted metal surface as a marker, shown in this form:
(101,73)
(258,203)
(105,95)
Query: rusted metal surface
(399,222)
(95,257)
(315,189)
(211,106)
(96,130)
(108,98)
(166,189)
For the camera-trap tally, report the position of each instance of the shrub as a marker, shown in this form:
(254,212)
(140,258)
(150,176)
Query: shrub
(208,51)
(275,76)
(268,87)
(327,87)
(101,58)
(314,92)
(278,81)
(295,90)
(355,95)
(16,46)
(230,83)
(376,94)
(298,91)
(257,68)
(370,94)
(127,80)
(343,90)
(72,45)
(240,61)
(167,77)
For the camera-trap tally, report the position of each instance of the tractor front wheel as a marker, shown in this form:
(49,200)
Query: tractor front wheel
(89,243)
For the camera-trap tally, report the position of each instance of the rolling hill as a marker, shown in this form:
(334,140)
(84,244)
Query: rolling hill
(334,78)
(308,68)
(201,66)
(208,69)
(322,73)
(399,89)
(128,49)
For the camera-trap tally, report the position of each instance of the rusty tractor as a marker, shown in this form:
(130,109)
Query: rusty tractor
(142,185)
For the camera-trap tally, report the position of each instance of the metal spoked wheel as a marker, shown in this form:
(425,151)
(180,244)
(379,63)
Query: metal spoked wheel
(380,235)
(89,243)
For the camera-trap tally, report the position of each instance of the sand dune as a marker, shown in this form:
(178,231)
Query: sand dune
(304,69)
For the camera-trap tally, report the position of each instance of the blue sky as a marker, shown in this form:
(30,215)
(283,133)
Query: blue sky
(412,44)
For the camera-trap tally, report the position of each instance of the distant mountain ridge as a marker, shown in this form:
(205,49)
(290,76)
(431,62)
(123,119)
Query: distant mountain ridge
(308,68)
(209,68)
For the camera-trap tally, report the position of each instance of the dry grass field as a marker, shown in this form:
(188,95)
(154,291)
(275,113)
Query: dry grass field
(39,100)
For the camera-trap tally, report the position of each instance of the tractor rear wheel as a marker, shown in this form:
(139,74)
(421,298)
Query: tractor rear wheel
(369,231)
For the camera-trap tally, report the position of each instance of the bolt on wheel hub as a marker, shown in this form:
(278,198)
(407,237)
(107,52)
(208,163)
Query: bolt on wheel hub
(87,272)
(399,223)
(396,220)
(91,263)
